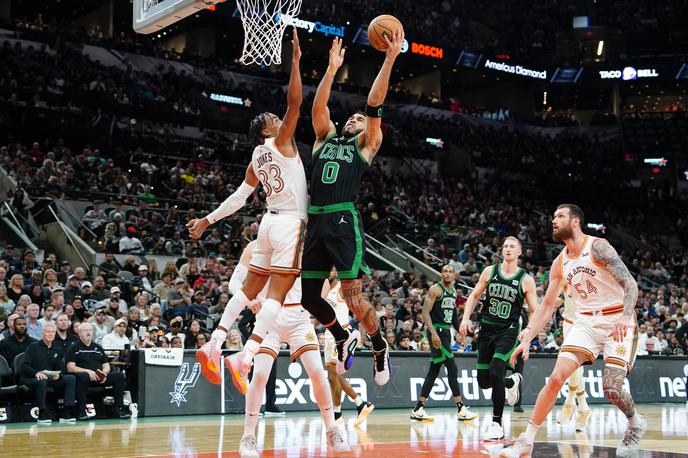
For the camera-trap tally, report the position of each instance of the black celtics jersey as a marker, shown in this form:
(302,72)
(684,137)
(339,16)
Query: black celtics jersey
(336,171)
(444,308)
(504,297)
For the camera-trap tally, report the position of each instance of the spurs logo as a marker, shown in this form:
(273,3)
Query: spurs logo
(185,379)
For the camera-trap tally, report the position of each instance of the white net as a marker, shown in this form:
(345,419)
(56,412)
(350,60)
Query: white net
(264,23)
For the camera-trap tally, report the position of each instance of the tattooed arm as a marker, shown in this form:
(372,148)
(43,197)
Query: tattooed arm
(428,303)
(603,253)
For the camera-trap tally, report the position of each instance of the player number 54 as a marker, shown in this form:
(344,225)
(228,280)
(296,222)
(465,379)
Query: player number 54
(591,289)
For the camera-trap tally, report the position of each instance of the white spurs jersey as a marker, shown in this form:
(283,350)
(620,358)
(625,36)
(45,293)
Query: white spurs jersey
(283,179)
(591,285)
(341,310)
(569,304)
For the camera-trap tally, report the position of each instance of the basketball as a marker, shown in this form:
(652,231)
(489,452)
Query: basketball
(382,25)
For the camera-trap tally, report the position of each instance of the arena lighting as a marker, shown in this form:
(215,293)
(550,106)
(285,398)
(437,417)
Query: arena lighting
(469,59)
(436,142)
(516,69)
(600,47)
(566,75)
(598,227)
(657,161)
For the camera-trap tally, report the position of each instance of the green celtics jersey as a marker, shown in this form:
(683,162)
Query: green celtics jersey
(336,171)
(504,297)
(444,308)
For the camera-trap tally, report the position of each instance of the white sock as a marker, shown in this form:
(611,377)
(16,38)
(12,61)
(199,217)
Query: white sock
(358,401)
(634,421)
(265,321)
(338,409)
(250,349)
(256,389)
(582,403)
(321,388)
(531,432)
(571,396)
(236,304)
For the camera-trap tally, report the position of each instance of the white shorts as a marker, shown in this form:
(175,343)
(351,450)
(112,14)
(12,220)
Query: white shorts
(293,327)
(279,245)
(589,336)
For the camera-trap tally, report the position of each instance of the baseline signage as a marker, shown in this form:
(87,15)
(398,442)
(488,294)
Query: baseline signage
(629,73)
(515,69)
(181,390)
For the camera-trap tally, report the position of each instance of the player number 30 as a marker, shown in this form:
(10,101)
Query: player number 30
(500,309)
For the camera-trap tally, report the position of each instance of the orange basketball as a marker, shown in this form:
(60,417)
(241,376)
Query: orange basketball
(379,27)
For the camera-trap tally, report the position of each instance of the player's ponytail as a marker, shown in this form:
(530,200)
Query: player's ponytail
(255,130)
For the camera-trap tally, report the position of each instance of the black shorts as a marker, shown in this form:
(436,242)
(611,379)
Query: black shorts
(438,355)
(334,237)
(496,341)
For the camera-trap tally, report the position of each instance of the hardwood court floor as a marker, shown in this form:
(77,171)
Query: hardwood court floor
(387,433)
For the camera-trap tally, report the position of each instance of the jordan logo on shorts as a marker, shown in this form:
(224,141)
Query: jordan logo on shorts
(342,220)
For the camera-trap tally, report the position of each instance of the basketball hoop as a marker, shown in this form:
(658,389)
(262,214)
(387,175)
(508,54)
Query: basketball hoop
(264,23)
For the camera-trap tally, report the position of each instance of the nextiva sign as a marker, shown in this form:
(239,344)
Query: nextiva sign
(515,69)
(629,73)
(317,26)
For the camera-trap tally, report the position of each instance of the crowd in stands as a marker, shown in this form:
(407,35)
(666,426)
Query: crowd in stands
(143,191)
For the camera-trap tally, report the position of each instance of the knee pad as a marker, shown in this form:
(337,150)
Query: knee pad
(497,369)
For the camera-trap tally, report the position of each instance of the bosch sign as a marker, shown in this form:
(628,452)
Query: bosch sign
(427,50)
(629,73)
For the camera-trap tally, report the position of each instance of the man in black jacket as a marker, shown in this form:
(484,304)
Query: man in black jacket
(88,361)
(63,338)
(16,343)
(42,356)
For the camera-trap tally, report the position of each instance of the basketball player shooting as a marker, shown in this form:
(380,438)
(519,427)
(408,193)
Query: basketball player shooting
(335,234)
(276,165)
(605,293)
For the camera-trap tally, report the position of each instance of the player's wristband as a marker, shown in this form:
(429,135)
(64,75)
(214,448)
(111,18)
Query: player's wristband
(374,112)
